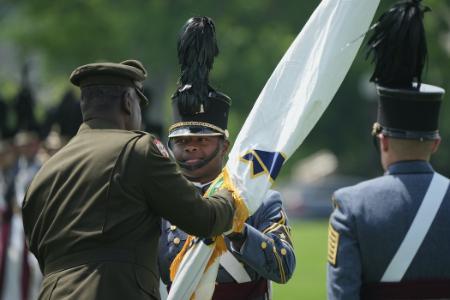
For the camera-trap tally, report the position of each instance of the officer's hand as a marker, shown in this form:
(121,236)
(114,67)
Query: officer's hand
(237,239)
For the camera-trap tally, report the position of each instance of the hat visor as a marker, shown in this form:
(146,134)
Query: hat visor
(144,100)
(193,131)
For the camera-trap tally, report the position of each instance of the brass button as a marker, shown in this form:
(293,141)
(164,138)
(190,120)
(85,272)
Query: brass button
(173,227)
(263,245)
(283,251)
(176,240)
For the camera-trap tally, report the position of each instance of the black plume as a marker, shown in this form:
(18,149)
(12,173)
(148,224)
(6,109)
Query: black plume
(398,46)
(197,48)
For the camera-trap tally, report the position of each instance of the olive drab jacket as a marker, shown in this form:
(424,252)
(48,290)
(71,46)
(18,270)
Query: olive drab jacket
(92,214)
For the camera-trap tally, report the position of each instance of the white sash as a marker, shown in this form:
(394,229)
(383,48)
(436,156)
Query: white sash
(234,268)
(418,230)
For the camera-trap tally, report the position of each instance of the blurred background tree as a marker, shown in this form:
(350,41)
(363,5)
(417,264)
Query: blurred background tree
(57,36)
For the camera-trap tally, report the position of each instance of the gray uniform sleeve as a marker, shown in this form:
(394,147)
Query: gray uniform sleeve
(268,247)
(344,262)
(173,197)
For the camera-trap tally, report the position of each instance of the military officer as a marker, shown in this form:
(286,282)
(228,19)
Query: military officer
(198,139)
(389,236)
(92,213)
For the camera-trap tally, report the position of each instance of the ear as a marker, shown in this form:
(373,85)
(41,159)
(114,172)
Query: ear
(436,144)
(225,146)
(384,142)
(126,102)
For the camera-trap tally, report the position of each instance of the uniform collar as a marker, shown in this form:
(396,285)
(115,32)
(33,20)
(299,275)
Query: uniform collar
(410,166)
(202,187)
(97,124)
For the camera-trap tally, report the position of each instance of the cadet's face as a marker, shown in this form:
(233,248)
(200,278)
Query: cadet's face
(199,157)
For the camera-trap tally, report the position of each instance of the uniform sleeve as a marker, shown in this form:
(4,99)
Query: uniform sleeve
(344,262)
(164,255)
(268,247)
(173,197)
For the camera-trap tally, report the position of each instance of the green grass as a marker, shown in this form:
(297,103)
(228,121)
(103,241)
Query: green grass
(308,281)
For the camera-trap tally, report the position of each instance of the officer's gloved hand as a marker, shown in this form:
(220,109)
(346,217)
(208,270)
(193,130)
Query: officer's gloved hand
(237,239)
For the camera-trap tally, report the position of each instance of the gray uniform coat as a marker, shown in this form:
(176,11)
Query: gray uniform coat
(369,223)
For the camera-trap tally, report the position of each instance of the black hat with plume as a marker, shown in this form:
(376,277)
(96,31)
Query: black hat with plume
(198,109)
(407,109)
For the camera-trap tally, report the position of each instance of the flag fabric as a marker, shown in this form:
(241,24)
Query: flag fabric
(292,101)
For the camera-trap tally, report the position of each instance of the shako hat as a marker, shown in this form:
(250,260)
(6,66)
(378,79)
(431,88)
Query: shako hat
(407,108)
(198,109)
(127,73)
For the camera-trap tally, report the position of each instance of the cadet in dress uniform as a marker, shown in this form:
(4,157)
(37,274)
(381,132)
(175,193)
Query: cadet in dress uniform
(389,236)
(92,214)
(199,141)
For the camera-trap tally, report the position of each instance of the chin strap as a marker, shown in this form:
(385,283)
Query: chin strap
(200,164)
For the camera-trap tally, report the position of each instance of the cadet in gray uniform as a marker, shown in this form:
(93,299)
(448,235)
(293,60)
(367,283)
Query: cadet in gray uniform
(198,138)
(389,237)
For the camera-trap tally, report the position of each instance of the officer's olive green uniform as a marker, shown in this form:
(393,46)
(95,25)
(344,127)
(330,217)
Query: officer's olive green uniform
(92,214)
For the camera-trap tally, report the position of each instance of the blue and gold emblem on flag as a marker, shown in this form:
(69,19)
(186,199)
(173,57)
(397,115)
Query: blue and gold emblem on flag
(264,162)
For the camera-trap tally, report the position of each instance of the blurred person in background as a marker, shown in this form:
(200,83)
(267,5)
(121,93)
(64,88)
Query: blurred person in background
(65,118)
(7,170)
(20,276)
(23,105)
(52,144)
(389,237)
(3,118)
(27,145)
(263,251)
